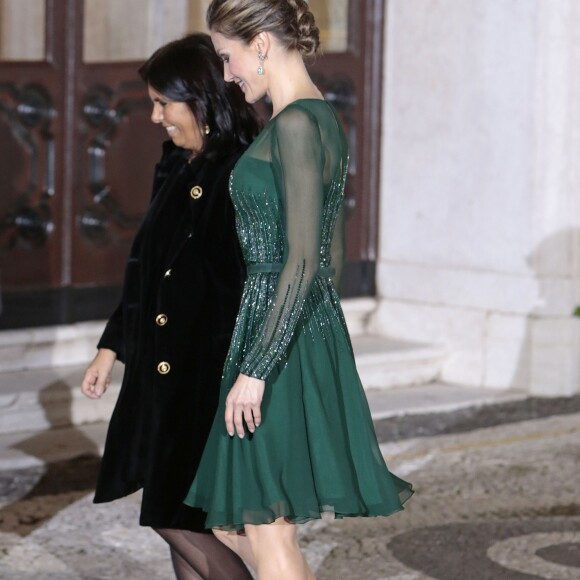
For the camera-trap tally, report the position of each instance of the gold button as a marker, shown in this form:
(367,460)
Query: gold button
(161,319)
(167,274)
(196,192)
(163,368)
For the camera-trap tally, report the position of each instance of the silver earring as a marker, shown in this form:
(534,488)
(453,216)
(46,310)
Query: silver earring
(261,58)
(207,130)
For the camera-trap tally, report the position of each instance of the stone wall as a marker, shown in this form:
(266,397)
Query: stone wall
(480,202)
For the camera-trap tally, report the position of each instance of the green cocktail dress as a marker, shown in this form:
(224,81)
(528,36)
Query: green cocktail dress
(316,449)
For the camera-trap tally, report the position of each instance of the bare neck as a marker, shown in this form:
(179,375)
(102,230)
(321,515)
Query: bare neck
(289,80)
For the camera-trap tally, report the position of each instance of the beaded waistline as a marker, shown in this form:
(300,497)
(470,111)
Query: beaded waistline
(268,267)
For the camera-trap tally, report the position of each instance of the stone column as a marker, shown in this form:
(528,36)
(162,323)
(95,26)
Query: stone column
(555,335)
(480,202)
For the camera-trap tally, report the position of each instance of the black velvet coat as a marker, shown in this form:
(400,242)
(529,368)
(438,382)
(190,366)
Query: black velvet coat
(181,294)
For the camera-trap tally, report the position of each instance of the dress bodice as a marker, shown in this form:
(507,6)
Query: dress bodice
(297,163)
(288,191)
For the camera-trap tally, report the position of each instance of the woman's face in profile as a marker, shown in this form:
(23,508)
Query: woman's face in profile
(178,121)
(240,65)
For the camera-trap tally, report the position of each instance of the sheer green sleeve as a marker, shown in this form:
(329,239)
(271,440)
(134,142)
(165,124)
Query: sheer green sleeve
(298,161)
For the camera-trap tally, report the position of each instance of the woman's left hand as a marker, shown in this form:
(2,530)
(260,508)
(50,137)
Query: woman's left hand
(243,404)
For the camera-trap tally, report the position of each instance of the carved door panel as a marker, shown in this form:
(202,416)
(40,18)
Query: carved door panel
(117,148)
(77,149)
(32,200)
(77,158)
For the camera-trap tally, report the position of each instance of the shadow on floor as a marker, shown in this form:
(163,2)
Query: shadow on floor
(39,493)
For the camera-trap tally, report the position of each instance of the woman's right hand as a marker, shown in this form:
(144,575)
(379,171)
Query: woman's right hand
(98,374)
(243,404)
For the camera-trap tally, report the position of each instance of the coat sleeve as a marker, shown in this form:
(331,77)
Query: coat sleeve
(113,337)
(298,162)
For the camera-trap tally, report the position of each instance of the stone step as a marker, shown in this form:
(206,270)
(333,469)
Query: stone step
(37,399)
(33,448)
(384,363)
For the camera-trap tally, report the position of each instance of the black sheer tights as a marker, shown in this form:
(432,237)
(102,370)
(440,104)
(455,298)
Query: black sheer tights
(202,556)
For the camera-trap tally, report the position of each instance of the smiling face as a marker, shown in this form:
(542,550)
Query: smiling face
(241,65)
(178,120)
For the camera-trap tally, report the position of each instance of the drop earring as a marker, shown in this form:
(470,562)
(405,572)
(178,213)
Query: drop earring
(206,129)
(261,57)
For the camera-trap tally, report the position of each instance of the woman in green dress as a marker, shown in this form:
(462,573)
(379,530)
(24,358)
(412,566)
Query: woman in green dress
(298,438)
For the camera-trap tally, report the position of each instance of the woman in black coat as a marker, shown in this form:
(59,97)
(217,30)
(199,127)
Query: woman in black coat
(180,298)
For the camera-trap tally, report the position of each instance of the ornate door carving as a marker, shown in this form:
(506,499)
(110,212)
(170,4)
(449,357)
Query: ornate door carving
(77,149)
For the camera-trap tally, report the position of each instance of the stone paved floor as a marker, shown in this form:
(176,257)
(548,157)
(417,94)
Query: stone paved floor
(498,498)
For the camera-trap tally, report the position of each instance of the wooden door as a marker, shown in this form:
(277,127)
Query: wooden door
(32,130)
(350,74)
(77,149)
(77,153)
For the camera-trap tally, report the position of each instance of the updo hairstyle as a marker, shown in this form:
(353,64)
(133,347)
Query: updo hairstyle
(291,21)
